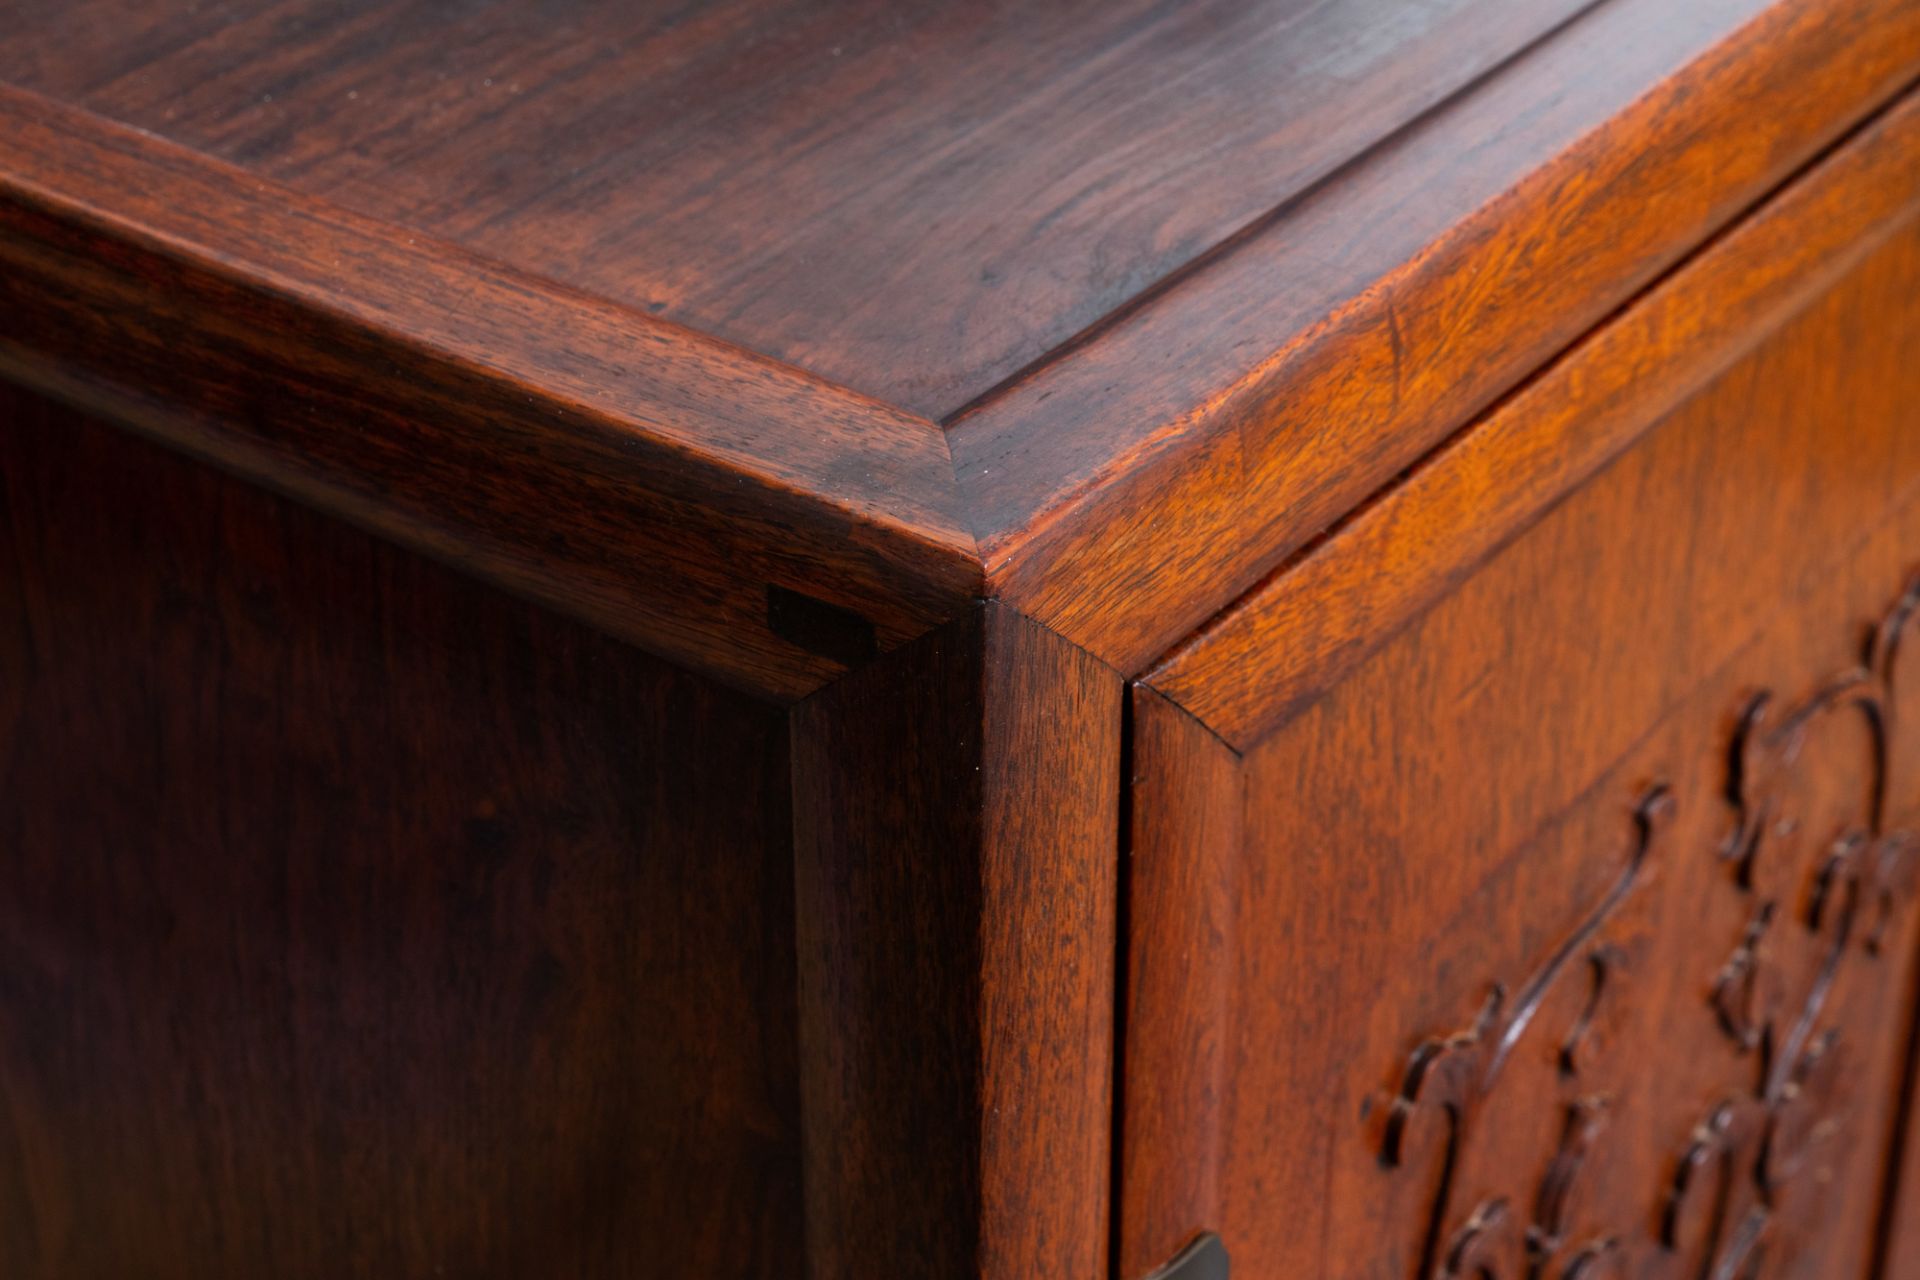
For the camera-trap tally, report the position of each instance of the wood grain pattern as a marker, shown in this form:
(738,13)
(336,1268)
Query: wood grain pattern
(1481,1016)
(648,479)
(356,919)
(1184,807)
(1267,257)
(1122,494)
(956,810)
(914,199)
(1520,885)
(1301,632)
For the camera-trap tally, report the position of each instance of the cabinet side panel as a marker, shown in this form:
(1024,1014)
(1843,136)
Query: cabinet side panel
(356,919)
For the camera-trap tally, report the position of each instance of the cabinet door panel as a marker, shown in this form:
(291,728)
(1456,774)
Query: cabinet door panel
(1569,932)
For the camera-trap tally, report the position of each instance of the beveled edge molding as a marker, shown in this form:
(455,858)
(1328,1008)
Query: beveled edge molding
(1298,634)
(655,481)
(1124,493)
(700,500)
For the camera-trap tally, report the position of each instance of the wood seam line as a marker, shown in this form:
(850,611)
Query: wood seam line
(1255,226)
(1724,58)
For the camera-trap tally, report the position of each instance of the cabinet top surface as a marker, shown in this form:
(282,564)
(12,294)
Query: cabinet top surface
(912,199)
(772,333)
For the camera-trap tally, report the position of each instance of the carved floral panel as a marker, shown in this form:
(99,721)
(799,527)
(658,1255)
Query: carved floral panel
(1821,878)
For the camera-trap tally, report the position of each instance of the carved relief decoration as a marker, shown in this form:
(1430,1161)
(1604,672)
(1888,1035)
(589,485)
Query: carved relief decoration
(1817,900)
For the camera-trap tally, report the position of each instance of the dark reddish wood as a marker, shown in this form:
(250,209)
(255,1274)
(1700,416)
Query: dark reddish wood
(1185,809)
(359,920)
(653,481)
(1186,282)
(1899,1253)
(1302,632)
(1127,490)
(956,807)
(1495,872)
(913,199)
(1545,882)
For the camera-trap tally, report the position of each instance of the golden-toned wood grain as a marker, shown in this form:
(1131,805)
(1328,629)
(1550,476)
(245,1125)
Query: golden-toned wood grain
(1124,493)
(1441,822)
(1300,633)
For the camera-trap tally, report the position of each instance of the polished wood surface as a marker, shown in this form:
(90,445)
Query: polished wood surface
(657,483)
(957,1004)
(356,919)
(1571,932)
(1299,634)
(914,199)
(1099,310)
(1207,640)
(1185,804)
(1181,457)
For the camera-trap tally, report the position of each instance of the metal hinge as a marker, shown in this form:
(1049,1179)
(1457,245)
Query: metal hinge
(1204,1259)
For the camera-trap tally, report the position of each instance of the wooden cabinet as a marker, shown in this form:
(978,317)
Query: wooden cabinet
(1561,932)
(1200,640)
